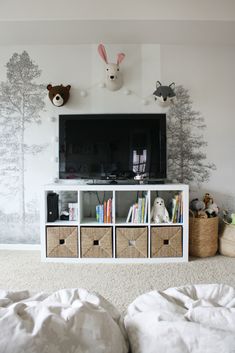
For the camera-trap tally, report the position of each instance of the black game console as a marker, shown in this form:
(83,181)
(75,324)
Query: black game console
(52,207)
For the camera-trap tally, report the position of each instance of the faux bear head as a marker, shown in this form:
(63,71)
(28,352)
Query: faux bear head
(164,93)
(58,95)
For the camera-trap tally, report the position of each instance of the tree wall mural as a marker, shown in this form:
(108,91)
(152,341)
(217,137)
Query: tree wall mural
(186,145)
(21,102)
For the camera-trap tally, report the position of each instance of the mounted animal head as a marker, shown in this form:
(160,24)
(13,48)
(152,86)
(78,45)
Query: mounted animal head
(163,93)
(113,77)
(58,95)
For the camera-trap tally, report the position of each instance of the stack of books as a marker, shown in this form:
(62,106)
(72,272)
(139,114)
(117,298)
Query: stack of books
(138,211)
(104,212)
(177,208)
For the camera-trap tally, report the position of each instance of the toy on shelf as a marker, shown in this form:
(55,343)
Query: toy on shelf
(59,95)
(164,93)
(113,77)
(159,213)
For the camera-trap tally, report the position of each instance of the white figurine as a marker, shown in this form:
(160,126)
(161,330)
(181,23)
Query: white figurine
(159,213)
(113,77)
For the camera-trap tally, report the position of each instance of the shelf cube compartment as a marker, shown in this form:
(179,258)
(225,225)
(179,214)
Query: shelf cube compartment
(62,241)
(90,210)
(173,201)
(132,207)
(131,242)
(96,242)
(166,241)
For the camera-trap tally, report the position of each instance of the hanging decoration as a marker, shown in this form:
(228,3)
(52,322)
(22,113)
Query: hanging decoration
(164,93)
(59,95)
(113,76)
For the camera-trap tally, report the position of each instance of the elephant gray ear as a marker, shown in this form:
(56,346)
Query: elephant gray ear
(172,85)
(158,84)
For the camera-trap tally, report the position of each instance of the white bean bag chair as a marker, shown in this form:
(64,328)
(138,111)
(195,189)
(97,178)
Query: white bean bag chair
(68,321)
(198,319)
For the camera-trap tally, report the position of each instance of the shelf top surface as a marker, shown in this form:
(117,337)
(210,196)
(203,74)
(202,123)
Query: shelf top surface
(119,187)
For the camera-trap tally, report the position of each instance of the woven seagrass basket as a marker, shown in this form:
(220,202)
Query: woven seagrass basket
(227,240)
(203,236)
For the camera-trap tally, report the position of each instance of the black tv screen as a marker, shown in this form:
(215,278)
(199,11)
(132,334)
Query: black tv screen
(112,146)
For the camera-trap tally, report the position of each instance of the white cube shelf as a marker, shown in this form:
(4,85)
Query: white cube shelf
(123,196)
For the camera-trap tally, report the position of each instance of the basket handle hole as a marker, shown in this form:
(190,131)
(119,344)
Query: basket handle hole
(131,242)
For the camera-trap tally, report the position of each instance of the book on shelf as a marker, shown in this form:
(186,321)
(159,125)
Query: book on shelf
(177,208)
(138,211)
(104,212)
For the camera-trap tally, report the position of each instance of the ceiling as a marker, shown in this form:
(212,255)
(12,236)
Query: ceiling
(28,22)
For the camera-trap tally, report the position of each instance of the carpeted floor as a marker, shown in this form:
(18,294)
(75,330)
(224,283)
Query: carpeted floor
(118,283)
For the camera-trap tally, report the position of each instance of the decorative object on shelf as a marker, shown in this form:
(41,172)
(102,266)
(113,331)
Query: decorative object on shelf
(164,93)
(159,213)
(198,208)
(73,211)
(59,95)
(113,77)
(64,216)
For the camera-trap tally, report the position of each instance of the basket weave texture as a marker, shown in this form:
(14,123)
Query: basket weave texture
(166,241)
(203,236)
(131,242)
(227,240)
(96,242)
(62,242)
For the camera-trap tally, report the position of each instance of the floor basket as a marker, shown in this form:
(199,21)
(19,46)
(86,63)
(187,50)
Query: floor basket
(227,240)
(203,236)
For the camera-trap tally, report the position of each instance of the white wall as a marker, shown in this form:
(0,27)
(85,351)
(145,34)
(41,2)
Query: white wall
(207,73)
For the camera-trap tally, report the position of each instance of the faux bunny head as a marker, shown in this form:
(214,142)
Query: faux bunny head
(113,77)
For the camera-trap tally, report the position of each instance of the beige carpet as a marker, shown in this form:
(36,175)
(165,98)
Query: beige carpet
(118,283)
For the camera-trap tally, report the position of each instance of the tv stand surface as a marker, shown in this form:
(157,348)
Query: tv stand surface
(71,237)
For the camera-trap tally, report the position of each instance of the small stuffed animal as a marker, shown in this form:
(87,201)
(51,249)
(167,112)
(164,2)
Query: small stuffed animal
(159,213)
(113,77)
(198,207)
(58,95)
(212,209)
(164,93)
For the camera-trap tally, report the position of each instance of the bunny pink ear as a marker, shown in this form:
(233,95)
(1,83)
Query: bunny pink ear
(102,52)
(120,57)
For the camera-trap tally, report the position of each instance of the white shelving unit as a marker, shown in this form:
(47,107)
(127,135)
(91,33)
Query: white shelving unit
(122,196)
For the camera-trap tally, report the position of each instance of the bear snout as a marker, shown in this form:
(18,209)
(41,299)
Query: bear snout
(112,77)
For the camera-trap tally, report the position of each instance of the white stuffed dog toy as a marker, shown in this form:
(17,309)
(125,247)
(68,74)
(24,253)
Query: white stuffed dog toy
(159,213)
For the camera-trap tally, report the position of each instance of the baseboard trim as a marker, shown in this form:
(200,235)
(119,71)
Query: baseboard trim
(31,247)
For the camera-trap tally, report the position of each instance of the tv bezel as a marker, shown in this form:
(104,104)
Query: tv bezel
(161,176)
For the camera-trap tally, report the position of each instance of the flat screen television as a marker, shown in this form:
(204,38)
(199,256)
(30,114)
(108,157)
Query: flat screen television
(112,146)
